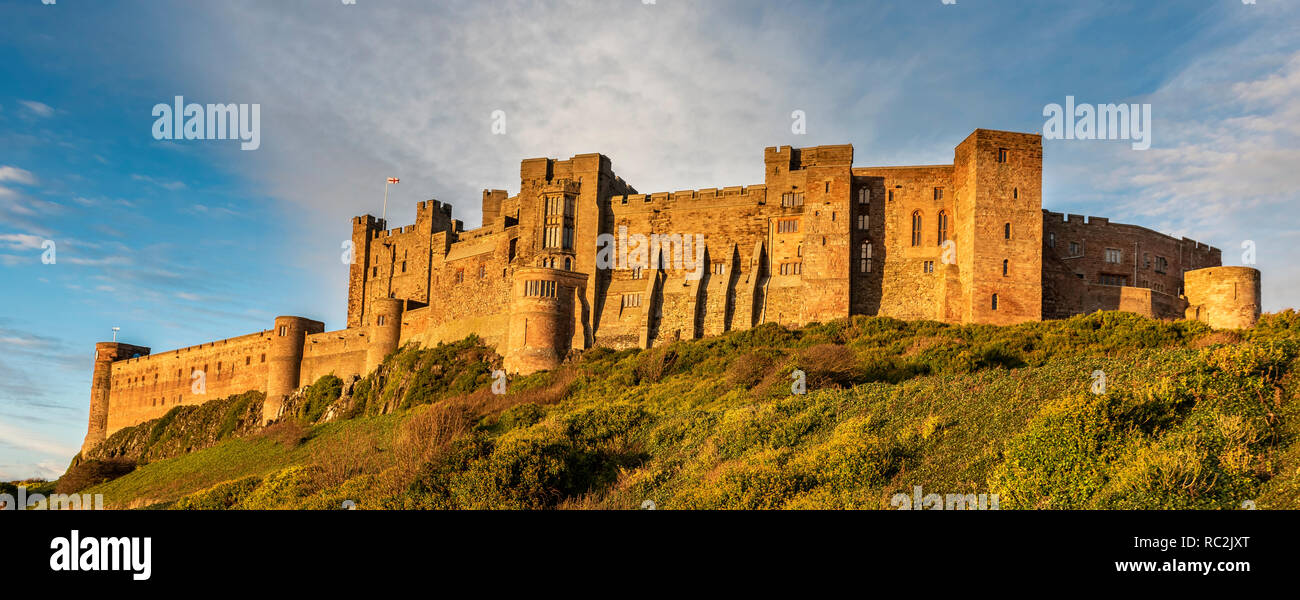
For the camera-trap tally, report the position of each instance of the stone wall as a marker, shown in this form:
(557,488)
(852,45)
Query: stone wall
(818,239)
(1224,297)
(1084,256)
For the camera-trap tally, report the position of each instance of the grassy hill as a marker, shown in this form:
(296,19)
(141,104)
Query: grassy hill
(1190,418)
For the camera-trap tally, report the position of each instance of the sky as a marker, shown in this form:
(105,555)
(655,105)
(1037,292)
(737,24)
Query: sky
(180,242)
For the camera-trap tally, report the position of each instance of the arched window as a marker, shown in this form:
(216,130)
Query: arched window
(864,259)
(943,227)
(1006,231)
(995,301)
(864,196)
(916,228)
(568,264)
(1004,267)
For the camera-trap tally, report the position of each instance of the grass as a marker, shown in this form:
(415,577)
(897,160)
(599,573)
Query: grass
(1191,418)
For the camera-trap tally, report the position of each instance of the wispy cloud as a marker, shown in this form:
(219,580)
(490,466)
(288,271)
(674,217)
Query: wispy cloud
(21,241)
(16,175)
(39,109)
(167,185)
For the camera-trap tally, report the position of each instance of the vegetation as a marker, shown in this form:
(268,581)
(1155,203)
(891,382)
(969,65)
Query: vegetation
(1189,418)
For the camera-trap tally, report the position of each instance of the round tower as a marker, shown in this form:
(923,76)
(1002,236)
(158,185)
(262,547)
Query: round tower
(385,330)
(101,381)
(284,361)
(541,318)
(1223,297)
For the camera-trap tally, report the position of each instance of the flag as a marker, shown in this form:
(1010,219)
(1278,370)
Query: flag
(393,180)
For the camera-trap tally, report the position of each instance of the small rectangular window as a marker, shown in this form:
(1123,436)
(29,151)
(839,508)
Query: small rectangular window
(1002,155)
(938,193)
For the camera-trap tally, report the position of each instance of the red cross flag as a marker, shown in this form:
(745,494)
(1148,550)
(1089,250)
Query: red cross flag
(393,180)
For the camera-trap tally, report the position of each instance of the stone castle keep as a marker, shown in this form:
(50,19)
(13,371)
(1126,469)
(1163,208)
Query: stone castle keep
(819,239)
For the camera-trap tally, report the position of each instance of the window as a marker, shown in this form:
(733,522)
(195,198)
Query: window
(828,187)
(568,264)
(403,266)
(264,358)
(1076,249)
(1006,231)
(787,226)
(792,199)
(1015,193)
(248,360)
(558,223)
(460,275)
(864,258)
(1114,255)
(943,227)
(482,271)
(1051,239)
(1005,266)
(916,228)
(995,301)
(938,193)
(791,268)
(636,272)
(719,268)
(1106,279)
(631,300)
(927,266)
(541,289)
(864,221)
(284,330)
(1162,264)
(379,319)
(864,196)
(1002,155)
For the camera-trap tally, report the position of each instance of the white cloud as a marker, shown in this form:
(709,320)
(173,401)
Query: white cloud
(16,175)
(21,241)
(167,185)
(40,109)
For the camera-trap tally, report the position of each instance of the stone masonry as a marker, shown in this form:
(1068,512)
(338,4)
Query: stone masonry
(563,266)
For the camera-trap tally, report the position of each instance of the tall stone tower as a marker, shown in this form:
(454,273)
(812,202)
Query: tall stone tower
(999,220)
(101,385)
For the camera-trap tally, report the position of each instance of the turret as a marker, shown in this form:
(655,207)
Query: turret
(542,318)
(1223,297)
(385,331)
(101,385)
(284,361)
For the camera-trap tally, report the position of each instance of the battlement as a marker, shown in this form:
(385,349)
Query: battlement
(546,169)
(795,159)
(1051,219)
(753,194)
(431,209)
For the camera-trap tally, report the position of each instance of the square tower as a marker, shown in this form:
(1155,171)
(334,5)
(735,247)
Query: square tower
(998,178)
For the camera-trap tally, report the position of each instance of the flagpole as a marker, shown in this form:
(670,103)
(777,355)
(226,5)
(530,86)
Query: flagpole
(384,218)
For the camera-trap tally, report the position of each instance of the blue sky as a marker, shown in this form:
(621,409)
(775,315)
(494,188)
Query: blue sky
(183,242)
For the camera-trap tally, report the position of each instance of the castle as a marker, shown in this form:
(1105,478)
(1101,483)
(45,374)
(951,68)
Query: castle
(819,239)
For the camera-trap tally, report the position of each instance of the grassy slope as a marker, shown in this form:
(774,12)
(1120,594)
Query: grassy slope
(1192,418)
